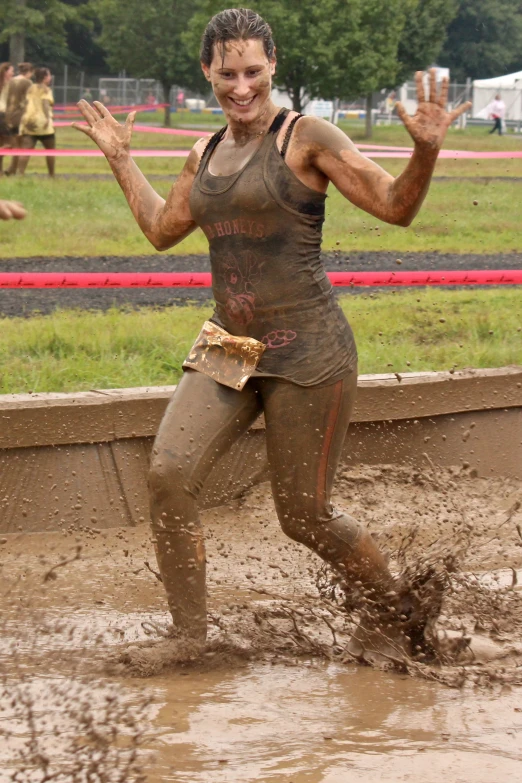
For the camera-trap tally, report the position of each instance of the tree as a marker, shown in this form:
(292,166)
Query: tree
(146,39)
(36,28)
(329,49)
(484,39)
(423,36)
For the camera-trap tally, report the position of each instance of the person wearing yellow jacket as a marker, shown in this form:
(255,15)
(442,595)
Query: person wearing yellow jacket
(37,120)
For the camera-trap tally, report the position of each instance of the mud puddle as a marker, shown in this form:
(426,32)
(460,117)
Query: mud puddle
(272,698)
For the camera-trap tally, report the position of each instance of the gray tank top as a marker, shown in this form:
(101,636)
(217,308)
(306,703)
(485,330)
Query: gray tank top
(264,228)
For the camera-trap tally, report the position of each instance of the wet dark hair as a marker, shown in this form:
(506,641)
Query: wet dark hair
(40,74)
(235,24)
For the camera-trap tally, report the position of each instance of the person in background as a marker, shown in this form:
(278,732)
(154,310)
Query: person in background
(6,74)
(15,105)
(497,112)
(37,120)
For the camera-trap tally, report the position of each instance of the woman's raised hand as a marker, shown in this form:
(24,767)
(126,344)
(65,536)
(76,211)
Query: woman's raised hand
(429,124)
(112,137)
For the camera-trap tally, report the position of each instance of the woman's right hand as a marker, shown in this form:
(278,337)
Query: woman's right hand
(112,137)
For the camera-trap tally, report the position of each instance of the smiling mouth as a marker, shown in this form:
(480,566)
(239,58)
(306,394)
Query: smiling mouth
(243,103)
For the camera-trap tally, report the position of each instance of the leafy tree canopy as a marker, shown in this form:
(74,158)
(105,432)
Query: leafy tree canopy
(146,39)
(331,49)
(423,36)
(484,39)
(43,24)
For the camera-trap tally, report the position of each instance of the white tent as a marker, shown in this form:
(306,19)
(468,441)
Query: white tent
(510,89)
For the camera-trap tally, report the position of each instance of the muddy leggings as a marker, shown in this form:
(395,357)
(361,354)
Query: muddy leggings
(305,431)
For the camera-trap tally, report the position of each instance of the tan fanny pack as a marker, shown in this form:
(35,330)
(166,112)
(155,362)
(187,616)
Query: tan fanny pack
(226,358)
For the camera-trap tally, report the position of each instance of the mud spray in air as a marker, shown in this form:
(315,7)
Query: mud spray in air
(91,681)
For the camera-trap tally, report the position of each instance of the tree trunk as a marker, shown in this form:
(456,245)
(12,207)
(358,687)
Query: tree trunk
(295,96)
(335,110)
(369,126)
(166,101)
(17,40)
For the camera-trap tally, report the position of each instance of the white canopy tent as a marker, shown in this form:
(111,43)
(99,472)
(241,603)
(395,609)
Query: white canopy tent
(509,87)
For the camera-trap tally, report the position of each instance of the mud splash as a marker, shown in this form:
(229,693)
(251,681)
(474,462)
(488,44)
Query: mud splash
(273,696)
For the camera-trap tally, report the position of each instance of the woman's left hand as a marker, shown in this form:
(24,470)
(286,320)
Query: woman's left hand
(429,124)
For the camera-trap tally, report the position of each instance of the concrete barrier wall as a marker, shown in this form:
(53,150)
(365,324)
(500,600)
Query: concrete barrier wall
(73,460)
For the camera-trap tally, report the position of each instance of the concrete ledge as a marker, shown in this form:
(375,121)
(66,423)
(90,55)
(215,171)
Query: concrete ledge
(81,460)
(104,415)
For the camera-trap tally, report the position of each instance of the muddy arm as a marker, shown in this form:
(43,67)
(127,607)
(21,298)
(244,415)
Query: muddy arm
(164,223)
(365,183)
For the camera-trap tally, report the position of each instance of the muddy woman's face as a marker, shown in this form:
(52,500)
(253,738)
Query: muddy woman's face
(241,77)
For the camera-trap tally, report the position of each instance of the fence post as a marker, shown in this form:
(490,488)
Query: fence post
(65,71)
(81,85)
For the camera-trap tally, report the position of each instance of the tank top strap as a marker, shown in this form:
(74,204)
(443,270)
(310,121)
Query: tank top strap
(278,122)
(286,140)
(211,146)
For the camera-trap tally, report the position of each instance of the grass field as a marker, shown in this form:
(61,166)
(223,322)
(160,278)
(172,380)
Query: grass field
(416,330)
(90,217)
(86,216)
(406,331)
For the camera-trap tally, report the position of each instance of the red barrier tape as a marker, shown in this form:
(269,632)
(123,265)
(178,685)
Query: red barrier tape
(204,279)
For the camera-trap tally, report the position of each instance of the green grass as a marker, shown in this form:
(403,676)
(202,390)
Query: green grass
(428,329)
(473,138)
(89,217)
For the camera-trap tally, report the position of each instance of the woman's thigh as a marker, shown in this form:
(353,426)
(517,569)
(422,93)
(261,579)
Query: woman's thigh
(202,421)
(305,430)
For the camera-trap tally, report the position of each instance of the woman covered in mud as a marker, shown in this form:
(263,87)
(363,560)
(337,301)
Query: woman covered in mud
(278,341)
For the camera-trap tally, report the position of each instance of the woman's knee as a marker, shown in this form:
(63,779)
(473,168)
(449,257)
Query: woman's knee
(170,477)
(297,520)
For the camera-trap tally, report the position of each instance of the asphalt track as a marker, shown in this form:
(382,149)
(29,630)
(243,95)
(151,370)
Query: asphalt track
(26,303)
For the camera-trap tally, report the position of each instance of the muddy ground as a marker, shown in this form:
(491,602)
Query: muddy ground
(16,302)
(274,697)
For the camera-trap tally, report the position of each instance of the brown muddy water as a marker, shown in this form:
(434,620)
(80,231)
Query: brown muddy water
(273,697)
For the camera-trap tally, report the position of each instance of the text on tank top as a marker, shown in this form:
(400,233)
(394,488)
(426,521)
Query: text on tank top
(264,228)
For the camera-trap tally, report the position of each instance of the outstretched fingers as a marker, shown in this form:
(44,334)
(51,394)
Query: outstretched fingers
(89,113)
(458,111)
(83,128)
(433,85)
(403,114)
(443,97)
(101,109)
(420,86)
(129,122)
